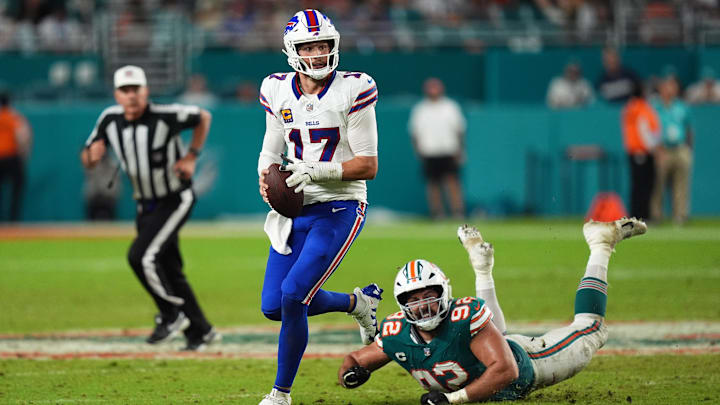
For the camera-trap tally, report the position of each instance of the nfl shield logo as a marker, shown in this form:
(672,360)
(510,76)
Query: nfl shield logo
(426,350)
(309,107)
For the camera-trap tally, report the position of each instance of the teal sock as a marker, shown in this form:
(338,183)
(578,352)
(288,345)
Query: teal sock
(591,296)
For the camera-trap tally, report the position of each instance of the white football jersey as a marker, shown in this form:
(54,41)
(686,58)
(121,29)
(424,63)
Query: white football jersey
(334,125)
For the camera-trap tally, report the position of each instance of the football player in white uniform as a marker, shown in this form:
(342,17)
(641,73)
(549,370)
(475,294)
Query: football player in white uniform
(457,348)
(324,120)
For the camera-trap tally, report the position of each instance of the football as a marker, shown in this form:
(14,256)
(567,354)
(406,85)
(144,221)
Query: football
(282,198)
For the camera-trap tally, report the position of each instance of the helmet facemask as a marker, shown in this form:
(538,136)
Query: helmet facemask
(421,313)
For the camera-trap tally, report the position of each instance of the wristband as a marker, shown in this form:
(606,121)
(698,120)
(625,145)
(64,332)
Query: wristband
(194,151)
(330,171)
(458,397)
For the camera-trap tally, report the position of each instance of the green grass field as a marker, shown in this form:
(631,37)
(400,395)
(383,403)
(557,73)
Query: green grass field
(65,284)
(608,380)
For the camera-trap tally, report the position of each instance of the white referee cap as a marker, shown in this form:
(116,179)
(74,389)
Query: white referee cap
(130,76)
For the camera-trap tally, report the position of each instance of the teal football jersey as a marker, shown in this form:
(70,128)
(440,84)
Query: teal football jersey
(447,363)
(674,120)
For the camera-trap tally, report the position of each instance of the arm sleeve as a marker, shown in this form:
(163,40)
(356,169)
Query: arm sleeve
(273,143)
(187,116)
(274,140)
(362,132)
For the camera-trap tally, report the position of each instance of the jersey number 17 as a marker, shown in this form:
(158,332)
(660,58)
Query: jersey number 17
(331,136)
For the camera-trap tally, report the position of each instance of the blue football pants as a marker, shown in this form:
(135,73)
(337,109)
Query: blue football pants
(320,238)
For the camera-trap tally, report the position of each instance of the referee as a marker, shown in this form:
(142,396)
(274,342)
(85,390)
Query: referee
(146,140)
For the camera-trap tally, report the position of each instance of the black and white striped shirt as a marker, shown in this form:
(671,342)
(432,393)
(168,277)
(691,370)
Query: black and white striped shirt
(148,147)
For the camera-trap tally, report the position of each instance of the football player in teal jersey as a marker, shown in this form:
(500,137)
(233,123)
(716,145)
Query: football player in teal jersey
(458,350)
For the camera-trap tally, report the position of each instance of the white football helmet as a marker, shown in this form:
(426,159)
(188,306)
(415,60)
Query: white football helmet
(310,26)
(417,275)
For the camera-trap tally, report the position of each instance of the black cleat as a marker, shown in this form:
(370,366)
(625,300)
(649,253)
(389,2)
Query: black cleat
(166,330)
(199,344)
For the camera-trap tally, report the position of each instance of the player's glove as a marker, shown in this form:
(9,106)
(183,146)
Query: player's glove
(305,173)
(355,376)
(433,398)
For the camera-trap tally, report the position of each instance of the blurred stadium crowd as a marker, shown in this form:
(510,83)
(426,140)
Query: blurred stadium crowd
(162,35)
(369,25)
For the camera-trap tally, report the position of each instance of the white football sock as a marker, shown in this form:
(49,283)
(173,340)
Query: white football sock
(487,293)
(597,265)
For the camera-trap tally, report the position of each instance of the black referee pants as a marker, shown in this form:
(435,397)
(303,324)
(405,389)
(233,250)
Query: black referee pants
(156,260)
(12,169)
(642,183)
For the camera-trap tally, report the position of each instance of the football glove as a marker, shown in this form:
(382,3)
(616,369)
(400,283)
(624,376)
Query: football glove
(305,173)
(355,376)
(433,398)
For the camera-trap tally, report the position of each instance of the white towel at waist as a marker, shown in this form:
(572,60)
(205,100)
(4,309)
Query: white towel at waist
(277,228)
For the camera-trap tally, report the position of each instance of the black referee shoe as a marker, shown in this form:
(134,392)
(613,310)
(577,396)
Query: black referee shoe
(166,330)
(201,343)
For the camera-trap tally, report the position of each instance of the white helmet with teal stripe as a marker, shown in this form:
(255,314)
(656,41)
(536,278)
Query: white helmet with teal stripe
(418,275)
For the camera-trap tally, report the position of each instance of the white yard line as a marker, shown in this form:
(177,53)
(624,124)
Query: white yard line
(626,338)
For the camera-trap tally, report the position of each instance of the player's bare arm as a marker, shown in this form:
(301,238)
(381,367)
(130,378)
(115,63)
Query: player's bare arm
(91,155)
(185,167)
(360,168)
(491,349)
(370,357)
